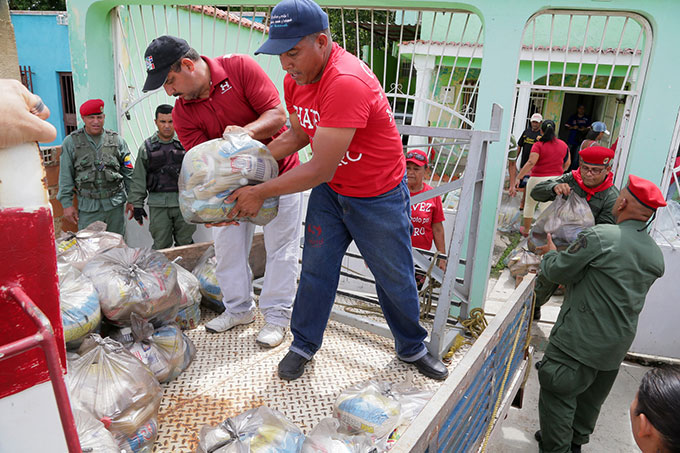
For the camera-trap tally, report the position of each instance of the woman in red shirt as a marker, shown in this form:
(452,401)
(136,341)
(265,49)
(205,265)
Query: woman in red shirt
(549,158)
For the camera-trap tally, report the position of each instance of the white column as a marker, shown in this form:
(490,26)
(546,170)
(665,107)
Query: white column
(424,65)
(521,110)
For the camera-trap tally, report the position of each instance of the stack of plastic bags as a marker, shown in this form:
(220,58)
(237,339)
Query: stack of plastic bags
(214,169)
(110,383)
(166,350)
(79,301)
(140,281)
(209,287)
(78,248)
(189,313)
(258,430)
(564,219)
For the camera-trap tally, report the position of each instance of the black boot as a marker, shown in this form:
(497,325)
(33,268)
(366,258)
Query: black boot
(292,366)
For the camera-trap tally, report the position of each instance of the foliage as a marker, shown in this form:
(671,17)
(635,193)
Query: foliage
(515,238)
(37,5)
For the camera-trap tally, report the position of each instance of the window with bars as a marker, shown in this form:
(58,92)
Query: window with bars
(468,103)
(49,156)
(537,100)
(27,77)
(68,102)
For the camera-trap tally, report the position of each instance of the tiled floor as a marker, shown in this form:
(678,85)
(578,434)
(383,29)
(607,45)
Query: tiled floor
(231,374)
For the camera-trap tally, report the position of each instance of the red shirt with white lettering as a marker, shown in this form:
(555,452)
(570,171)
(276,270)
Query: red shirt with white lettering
(423,215)
(349,95)
(240,92)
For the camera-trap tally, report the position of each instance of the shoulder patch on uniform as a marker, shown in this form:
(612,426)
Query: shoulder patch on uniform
(578,244)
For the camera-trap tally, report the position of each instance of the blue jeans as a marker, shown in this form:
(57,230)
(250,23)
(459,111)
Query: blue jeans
(381,228)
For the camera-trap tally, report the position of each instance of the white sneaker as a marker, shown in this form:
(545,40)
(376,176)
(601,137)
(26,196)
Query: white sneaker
(227,321)
(271,335)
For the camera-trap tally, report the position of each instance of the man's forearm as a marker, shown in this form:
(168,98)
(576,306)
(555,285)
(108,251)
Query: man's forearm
(287,143)
(268,124)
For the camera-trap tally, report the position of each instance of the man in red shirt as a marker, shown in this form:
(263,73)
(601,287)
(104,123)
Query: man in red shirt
(216,96)
(359,190)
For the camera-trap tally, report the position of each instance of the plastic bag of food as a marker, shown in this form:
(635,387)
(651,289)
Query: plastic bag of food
(79,248)
(564,219)
(141,441)
(166,350)
(258,430)
(365,408)
(667,225)
(140,281)
(93,435)
(212,170)
(326,437)
(189,314)
(509,216)
(114,386)
(188,318)
(521,261)
(412,400)
(210,288)
(79,302)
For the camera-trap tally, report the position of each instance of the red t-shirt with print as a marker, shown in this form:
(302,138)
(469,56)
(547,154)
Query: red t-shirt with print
(240,92)
(349,95)
(551,157)
(423,215)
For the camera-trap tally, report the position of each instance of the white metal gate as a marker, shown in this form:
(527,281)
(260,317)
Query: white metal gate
(590,53)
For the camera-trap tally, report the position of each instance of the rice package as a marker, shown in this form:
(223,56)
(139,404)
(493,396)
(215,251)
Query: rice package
(212,170)
(113,385)
(258,430)
(364,408)
(564,219)
(79,302)
(189,313)
(166,350)
(141,441)
(93,435)
(79,248)
(140,281)
(209,287)
(326,437)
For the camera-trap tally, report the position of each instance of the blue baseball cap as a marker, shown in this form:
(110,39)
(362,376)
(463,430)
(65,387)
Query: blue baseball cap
(599,126)
(291,21)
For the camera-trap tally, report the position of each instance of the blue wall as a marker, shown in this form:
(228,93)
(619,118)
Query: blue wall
(43,45)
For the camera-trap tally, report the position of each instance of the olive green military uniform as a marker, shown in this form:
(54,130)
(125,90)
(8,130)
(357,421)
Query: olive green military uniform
(98,169)
(607,271)
(166,224)
(601,204)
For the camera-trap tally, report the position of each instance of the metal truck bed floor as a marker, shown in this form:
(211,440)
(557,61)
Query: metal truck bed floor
(231,374)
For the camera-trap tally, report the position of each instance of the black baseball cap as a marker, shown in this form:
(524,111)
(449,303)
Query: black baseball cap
(291,21)
(159,56)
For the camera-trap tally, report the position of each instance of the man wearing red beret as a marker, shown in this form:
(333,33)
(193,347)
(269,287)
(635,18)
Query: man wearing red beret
(607,271)
(594,181)
(95,164)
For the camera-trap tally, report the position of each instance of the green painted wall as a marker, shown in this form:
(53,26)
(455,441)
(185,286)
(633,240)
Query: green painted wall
(503,23)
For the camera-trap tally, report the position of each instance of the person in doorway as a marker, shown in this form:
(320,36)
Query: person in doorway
(524,144)
(597,130)
(546,161)
(655,411)
(217,96)
(428,215)
(607,271)
(357,177)
(156,172)
(578,125)
(23,116)
(96,164)
(594,181)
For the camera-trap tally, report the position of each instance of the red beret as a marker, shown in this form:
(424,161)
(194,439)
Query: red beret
(92,107)
(597,155)
(645,192)
(417,156)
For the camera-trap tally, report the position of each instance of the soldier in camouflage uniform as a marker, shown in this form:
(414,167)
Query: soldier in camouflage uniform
(593,180)
(156,172)
(608,271)
(95,164)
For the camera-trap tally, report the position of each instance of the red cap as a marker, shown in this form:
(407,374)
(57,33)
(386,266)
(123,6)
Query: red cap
(92,107)
(645,192)
(417,156)
(597,155)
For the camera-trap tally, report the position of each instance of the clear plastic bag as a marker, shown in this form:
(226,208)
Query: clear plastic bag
(667,224)
(189,287)
(141,441)
(326,437)
(93,435)
(509,217)
(114,386)
(564,219)
(258,430)
(166,350)
(212,170)
(79,248)
(79,301)
(521,261)
(365,408)
(140,281)
(209,286)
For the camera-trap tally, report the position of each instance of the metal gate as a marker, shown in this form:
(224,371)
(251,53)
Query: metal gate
(595,53)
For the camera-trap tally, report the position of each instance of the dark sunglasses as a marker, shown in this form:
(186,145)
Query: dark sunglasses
(416,156)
